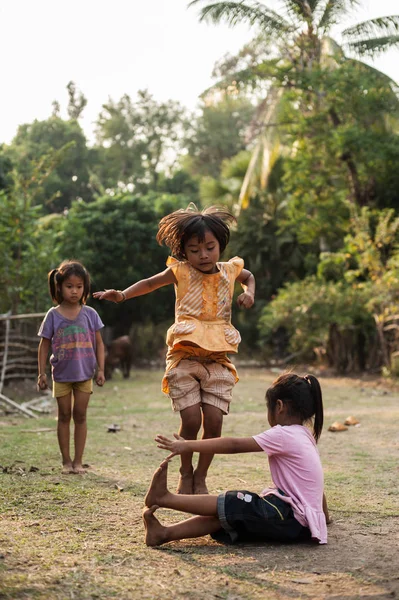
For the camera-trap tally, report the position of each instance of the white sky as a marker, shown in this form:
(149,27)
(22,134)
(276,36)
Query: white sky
(112,48)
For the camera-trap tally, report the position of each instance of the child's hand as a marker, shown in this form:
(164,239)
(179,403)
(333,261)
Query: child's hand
(100,379)
(246,300)
(175,447)
(42,383)
(111,295)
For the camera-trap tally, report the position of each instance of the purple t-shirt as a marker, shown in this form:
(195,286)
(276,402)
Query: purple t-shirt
(296,470)
(73,343)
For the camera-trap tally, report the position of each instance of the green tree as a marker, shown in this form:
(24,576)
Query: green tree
(114,236)
(136,141)
(5,169)
(61,145)
(347,312)
(293,45)
(218,133)
(77,102)
(26,249)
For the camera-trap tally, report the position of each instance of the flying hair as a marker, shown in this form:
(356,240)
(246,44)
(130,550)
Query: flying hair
(178,227)
(302,396)
(67,268)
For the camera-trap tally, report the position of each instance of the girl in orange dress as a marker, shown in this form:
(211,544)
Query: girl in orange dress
(199,376)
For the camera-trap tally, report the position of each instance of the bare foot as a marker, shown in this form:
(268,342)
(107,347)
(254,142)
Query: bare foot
(158,486)
(199,484)
(78,469)
(186,483)
(155,533)
(67,468)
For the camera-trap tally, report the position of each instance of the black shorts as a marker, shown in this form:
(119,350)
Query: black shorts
(246,517)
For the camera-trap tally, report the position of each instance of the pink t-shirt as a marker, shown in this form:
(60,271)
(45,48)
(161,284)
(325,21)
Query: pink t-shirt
(296,470)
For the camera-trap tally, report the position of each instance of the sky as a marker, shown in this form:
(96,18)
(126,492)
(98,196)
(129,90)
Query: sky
(113,48)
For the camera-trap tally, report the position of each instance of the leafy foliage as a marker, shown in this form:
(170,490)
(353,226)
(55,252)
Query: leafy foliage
(136,140)
(60,147)
(114,237)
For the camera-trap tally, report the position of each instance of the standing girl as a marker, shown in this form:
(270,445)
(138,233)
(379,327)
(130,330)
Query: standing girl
(72,329)
(295,509)
(199,376)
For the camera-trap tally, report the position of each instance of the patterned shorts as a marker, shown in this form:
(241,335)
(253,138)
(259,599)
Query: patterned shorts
(198,382)
(63,388)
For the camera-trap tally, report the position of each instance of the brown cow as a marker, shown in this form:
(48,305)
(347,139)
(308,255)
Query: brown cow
(119,353)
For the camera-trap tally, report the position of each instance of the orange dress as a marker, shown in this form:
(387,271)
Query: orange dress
(202,327)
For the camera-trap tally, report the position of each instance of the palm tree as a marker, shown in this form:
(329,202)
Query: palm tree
(292,45)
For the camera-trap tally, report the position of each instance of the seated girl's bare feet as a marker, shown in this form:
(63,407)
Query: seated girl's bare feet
(78,469)
(155,533)
(186,483)
(199,484)
(158,486)
(67,468)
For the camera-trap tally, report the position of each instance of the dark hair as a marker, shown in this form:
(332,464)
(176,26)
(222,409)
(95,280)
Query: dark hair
(302,396)
(178,227)
(67,268)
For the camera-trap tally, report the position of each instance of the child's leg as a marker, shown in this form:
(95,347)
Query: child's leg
(81,401)
(159,495)
(189,428)
(63,433)
(157,534)
(212,428)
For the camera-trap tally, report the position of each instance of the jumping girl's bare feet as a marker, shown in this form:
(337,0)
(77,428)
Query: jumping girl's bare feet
(78,469)
(67,468)
(199,484)
(155,533)
(186,483)
(158,487)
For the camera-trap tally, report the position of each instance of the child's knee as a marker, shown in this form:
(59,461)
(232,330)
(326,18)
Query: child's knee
(64,416)
(79,418)
(191,419)
(213,421)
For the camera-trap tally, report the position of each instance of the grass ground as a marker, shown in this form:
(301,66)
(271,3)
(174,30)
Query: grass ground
(81,537)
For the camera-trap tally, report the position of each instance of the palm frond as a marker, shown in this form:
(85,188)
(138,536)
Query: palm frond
(299,7)
(373,27)
(267,149)
(373,46)
(246,78)
(303,8)
(245,192)
(333,10)
(234,13)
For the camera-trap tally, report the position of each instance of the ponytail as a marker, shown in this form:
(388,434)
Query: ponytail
(52,284)
(315,390)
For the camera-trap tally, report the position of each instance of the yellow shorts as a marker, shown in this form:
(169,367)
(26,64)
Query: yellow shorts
(63,388)
(197,382)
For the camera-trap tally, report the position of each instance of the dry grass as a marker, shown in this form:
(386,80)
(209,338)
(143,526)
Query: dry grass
(80,537)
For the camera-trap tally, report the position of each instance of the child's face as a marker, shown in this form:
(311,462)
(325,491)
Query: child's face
(72,289)
(204,255)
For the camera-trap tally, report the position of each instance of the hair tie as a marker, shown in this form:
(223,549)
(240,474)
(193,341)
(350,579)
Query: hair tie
(307,379)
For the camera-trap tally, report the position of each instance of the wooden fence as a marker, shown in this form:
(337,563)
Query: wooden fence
(18,351)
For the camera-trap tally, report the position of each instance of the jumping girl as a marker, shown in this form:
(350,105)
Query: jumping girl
(73,332)
(295,509)
(199,376)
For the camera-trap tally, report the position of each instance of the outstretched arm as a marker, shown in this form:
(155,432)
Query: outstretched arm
(247,281)
(142,287)
(219,445)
